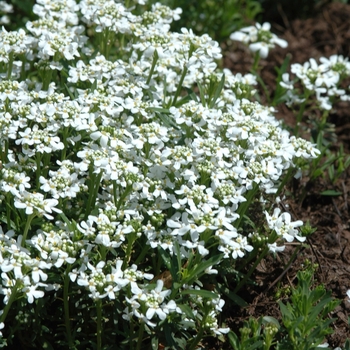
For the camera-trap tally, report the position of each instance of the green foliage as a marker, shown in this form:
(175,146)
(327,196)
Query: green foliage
(305,317)
(304,325)
(255,334)
(217,18)
(21,14)
(293,9)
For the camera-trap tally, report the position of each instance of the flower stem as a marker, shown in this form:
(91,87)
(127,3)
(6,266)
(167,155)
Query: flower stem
(10,65)
(256,63)
(179,88)
(140,338)
(245,205)
(143,253)
(252,269)
(99,324)
(301,113)
(154,62)
(66,308)
(47,78)
(3,155)
(199,335)
(93,191)
(38,170)
(8,210)
(10,301)
(26,229)
(131,239)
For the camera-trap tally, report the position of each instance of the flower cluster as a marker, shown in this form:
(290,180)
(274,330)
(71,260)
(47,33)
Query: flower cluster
(259,38)
(321,80)
(111,176)
(5,8)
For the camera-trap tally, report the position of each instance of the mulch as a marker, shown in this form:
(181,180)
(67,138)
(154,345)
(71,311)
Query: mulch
(325,34)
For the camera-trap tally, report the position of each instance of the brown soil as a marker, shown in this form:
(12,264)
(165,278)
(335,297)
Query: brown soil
(327,33)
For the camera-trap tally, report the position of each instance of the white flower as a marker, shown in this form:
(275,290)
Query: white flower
(33,293)
(154,301)
(259,38)
(286,83)
(273,248)
(260,47)
(283,225)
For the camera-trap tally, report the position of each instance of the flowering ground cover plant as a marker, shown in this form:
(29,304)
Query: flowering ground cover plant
(134,175)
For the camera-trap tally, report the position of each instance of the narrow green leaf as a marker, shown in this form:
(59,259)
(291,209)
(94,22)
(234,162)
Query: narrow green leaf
(318,308)
(154,343)
(177,257)
(71,225)
(69,92)
(330,193)
(164,115)
(234,297)
(234,341)
(158,109)
(257,345)
(94,86)
(270,319)
(198,270)
(167,121)
(347,345)
(284,310)
(217,91)
(201,94)
(166,257)
(187,311)
(169,336)
(192,94)
(347,162)
(201,292)
(183,100)
(11,224)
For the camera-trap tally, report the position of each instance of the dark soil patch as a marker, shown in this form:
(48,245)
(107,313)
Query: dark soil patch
(327,33)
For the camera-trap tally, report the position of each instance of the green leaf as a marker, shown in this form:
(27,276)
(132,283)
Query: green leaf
(183,100)
(166,257)
(154,343)
(207,263)
(169,336)
(158,109)
(330,193)
(10,225)
(347,345)
(69,92)
(234,297)
(94,86)
(318,308)
(71,225)
(201,94)
(256,345)
(198,270)
(284,310)
(201,292)
(164,115)
(192,95)
(177,258)
(347,162)
(217,91)
(270,319)
(234,341)
(187,311)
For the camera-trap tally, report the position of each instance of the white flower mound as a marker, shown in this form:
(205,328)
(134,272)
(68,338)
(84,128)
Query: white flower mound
(131,160)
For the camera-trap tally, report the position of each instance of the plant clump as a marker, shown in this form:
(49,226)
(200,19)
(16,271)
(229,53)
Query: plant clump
(133,173)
